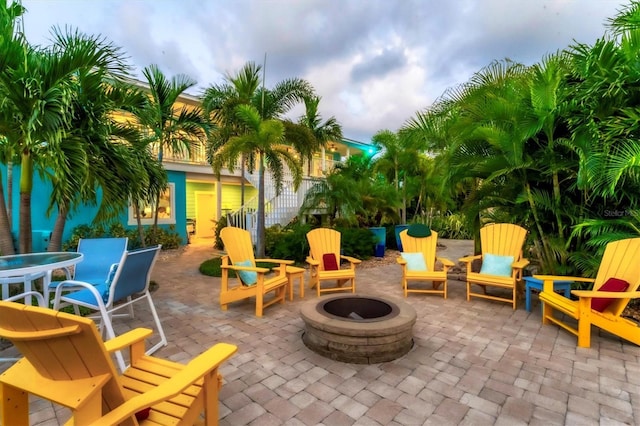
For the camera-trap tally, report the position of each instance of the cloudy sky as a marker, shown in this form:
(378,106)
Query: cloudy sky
(373,62)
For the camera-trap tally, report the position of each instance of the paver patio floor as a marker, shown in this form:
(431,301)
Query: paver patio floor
(473,363)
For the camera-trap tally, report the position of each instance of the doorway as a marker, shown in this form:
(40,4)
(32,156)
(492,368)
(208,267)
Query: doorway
(205,214)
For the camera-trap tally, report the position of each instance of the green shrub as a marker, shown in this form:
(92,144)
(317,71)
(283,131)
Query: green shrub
(168,237)
(450,226)
(357,242)
(287,243)
(211,267)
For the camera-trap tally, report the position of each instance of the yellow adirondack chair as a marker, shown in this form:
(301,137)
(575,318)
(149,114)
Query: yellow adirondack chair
(325,241)
(66,362)
(502,261)
(425,247)
(620,260)
(251,281)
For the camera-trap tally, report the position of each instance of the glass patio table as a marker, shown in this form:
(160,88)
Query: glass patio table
(23,268)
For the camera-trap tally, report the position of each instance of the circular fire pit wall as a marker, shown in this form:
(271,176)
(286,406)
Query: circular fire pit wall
(358,329)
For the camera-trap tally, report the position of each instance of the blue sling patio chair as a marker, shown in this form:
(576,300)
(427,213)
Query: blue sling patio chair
(128,283)
(100,254)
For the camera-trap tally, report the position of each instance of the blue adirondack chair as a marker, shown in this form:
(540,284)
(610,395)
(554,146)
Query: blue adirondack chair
(128,284)
(100,254)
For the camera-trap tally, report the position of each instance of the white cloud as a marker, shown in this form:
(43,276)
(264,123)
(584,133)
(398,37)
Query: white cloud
(374,62)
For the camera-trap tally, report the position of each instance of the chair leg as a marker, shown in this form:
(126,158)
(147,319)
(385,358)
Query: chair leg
(106,323)
(259,303)
(15,412)
(130,306)
(156,318)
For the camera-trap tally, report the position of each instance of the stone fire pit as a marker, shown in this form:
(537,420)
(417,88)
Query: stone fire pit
(358,329)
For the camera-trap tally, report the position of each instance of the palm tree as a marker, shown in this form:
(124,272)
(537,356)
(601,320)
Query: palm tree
(93,153)
(337,195)
(224,102)
(219,101)
(37,85)
(265,139)
(398,157)
(11,45)
(322,133)
(353,193)
(170,127)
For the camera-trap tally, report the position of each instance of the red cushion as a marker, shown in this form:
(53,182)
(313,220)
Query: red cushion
(330,262)
(612,284)
(143,414)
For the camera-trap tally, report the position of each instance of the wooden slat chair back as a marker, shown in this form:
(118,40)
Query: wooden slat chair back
(325,241)
(504,239)
(239,248)
(66,362)
(500,239)
(427,246)
(620,260)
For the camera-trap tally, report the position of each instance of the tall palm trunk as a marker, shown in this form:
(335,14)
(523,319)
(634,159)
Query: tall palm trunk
(260,243)
(26,185)
(243,164)
(155,216)
(55,243)
(136,209)
(6,239)
(10,192)
(545,252)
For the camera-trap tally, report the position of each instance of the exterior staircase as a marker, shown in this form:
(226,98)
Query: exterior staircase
(279,209)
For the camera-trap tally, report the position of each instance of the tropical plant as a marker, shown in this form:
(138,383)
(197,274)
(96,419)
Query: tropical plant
(98,154)
(170,127)
(264,138)
(399,161)
(219,102)
(230,104)
(322,132)
(37,85)
(353,194)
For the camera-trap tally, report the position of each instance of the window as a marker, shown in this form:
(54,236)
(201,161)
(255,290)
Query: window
(166,212)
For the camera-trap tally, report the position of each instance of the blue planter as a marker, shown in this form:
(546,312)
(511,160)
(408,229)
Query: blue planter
(380,234)
(399,229)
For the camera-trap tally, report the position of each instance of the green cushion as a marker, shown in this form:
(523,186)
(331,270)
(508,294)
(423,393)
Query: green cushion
(418,230)
(493,264)
(247,277)
(415,261)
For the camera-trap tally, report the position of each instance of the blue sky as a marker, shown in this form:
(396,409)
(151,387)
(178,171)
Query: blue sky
(373,62)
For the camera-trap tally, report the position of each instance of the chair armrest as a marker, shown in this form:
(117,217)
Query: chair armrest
(350,259)
(468,259)
(445,262)
(607,294)
(246,268)
(67,272)
(312,261)
(401,260)
(88,286)
(192,372)
(562,278)
(520,264)
(39,297)
(547,281)
(280,261)
(127,339)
